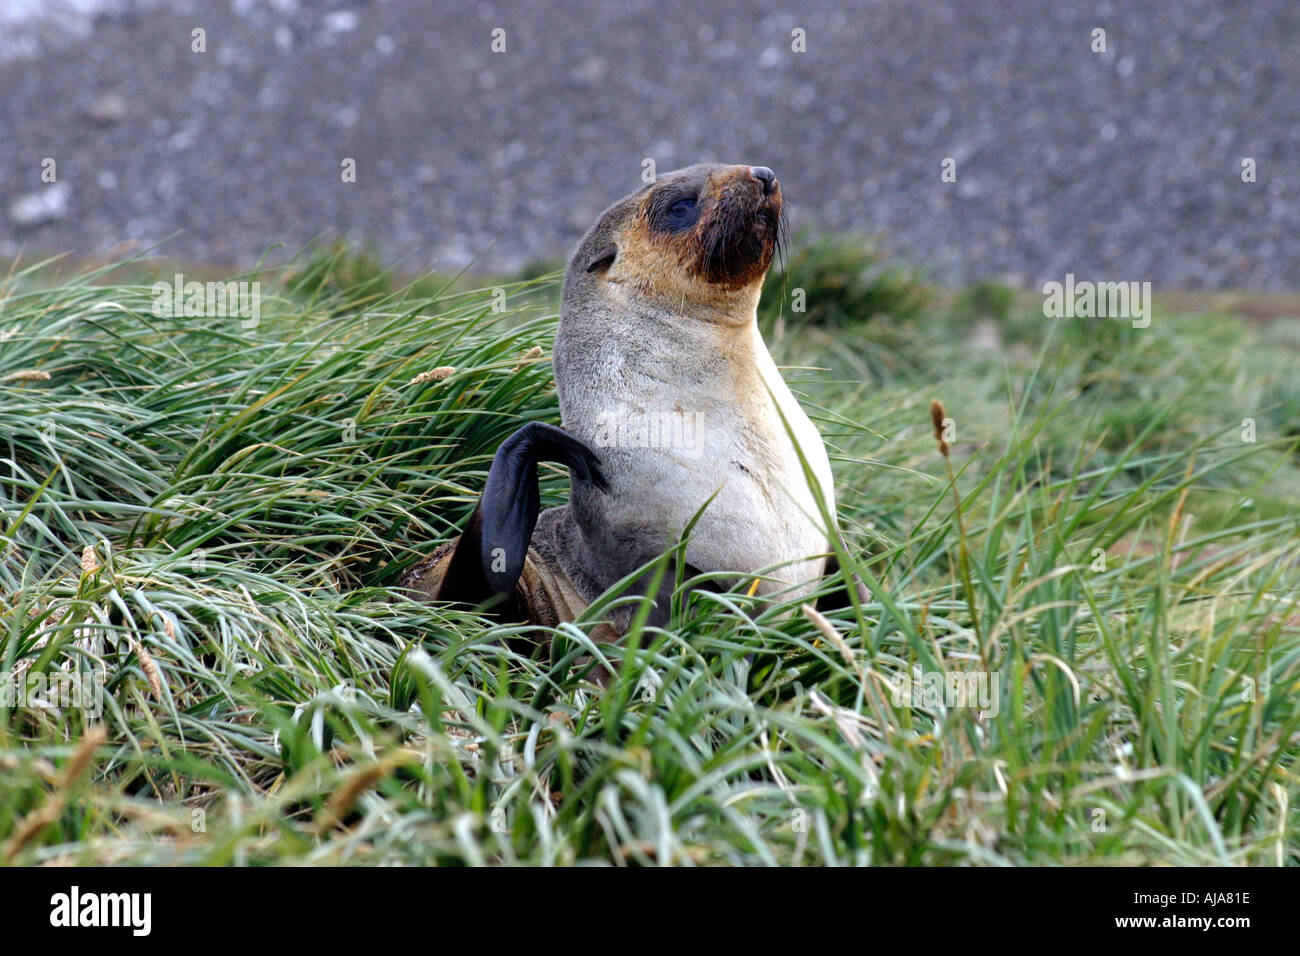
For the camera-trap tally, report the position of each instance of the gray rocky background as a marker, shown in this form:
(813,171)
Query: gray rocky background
(1122,165)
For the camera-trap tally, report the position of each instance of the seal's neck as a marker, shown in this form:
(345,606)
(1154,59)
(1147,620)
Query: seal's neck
(637,355)
(727,308)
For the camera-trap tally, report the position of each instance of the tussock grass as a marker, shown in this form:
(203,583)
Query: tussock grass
(212,518)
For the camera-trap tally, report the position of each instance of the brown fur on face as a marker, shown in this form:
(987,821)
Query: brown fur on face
(717,261)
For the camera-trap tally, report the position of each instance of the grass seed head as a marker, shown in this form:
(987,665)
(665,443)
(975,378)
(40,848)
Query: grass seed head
(27,375)
(937,416)
(434,375)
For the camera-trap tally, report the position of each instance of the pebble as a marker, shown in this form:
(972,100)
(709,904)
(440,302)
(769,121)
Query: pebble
(47,204)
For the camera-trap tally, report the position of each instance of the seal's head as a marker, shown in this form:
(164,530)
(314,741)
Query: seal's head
(696,240)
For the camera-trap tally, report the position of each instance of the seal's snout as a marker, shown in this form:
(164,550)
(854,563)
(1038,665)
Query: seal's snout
(766,177)
(739,228)
(717,223)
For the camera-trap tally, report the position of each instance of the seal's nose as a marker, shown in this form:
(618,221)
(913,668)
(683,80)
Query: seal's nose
(764,176)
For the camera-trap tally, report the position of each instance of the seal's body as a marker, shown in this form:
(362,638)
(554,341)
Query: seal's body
(670,404)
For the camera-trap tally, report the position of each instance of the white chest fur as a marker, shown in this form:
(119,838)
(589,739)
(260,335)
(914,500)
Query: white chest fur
(679,418)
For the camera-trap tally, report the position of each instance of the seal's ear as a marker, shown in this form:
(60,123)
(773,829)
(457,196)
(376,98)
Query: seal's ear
(604,259)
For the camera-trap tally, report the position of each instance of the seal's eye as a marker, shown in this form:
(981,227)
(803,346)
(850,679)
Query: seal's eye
(680,213)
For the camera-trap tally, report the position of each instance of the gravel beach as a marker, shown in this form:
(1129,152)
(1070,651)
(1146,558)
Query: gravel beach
(1125,164)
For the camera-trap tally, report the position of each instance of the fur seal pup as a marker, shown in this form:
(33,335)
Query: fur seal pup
(669,401)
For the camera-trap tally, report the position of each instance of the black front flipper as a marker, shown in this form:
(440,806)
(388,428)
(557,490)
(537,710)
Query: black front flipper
(489,557)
